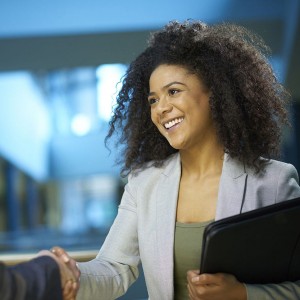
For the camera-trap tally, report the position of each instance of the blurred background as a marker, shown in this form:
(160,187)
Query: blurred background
(60,65)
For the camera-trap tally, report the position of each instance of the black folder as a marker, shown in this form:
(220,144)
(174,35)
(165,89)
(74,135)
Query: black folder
(260,246)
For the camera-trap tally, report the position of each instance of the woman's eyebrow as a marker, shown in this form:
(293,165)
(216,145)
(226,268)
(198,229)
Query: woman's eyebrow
(166,86)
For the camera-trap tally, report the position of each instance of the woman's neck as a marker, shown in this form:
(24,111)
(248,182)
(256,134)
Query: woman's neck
(202,162)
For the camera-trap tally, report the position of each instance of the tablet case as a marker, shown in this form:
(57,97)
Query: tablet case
(260,246)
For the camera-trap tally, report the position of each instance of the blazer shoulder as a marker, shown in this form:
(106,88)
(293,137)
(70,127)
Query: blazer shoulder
(281,169)
(151,171)
(143,181)
(284,177)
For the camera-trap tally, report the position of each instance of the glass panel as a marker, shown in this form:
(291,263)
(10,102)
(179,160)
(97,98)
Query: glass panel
(40,208)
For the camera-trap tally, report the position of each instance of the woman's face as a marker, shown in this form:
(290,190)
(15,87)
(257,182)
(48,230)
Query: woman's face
(180,109)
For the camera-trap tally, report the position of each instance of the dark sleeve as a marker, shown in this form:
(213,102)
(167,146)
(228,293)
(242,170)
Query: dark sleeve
(38,279)
(12,285)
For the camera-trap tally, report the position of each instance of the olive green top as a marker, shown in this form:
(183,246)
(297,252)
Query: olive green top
(187,251)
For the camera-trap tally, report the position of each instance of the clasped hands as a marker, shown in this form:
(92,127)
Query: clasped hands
(69,273)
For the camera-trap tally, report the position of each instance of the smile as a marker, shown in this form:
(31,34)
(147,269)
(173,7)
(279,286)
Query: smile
(173,122)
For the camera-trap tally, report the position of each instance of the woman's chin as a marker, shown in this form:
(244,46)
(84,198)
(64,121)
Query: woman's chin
(177,146)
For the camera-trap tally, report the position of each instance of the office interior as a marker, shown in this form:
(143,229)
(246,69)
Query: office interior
(61,64)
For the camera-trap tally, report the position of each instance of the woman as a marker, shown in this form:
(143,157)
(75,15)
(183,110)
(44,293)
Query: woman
(198,110)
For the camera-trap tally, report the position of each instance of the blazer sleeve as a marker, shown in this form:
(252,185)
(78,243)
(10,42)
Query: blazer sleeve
(38,279)
(288,183)
(287,188)
(115,268)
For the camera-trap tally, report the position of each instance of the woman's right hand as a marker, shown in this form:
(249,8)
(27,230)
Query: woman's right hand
(69,289)
(69,272)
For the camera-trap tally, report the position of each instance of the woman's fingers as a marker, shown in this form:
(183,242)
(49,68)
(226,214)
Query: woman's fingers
(69,261)
(61,253)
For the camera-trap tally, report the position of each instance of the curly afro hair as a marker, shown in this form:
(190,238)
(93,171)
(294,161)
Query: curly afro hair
(247,102)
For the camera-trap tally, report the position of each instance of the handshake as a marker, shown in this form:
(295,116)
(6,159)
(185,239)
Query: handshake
(69,272)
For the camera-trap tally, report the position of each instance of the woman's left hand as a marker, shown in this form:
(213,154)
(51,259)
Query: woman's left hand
(218,286)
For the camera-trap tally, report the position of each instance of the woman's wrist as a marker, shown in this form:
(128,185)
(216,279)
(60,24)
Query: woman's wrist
(241,292)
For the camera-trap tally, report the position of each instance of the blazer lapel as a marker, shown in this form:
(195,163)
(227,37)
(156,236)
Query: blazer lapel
(230,198)
(166,204)
(232,188)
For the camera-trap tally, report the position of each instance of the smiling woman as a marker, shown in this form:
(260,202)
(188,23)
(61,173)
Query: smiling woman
(199,113)
(246,99)
(180,109)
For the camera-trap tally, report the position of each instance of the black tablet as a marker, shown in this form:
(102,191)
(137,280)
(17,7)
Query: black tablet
(260,246)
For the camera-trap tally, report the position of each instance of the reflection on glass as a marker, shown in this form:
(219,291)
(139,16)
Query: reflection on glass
(108,86)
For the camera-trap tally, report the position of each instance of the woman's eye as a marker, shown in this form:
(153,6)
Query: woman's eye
(152,101)
(172,92)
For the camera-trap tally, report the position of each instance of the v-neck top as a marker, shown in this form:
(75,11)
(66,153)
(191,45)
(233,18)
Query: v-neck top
(187,252)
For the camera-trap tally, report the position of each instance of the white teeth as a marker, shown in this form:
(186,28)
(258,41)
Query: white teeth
(173,122)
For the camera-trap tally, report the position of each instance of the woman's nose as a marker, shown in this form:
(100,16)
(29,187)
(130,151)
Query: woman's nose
(164,106)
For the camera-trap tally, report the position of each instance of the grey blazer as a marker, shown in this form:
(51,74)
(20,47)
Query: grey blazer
(144,228)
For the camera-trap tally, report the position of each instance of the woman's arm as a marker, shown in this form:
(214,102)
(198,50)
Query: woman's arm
(115,268)
(282,291)
(287,188)
(225,286)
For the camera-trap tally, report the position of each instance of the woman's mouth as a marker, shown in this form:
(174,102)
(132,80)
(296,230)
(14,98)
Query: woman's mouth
(172,123)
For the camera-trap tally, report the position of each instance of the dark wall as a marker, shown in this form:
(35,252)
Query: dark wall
(291,147)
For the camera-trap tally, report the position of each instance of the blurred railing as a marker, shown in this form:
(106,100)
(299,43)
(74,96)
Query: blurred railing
(11,259)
